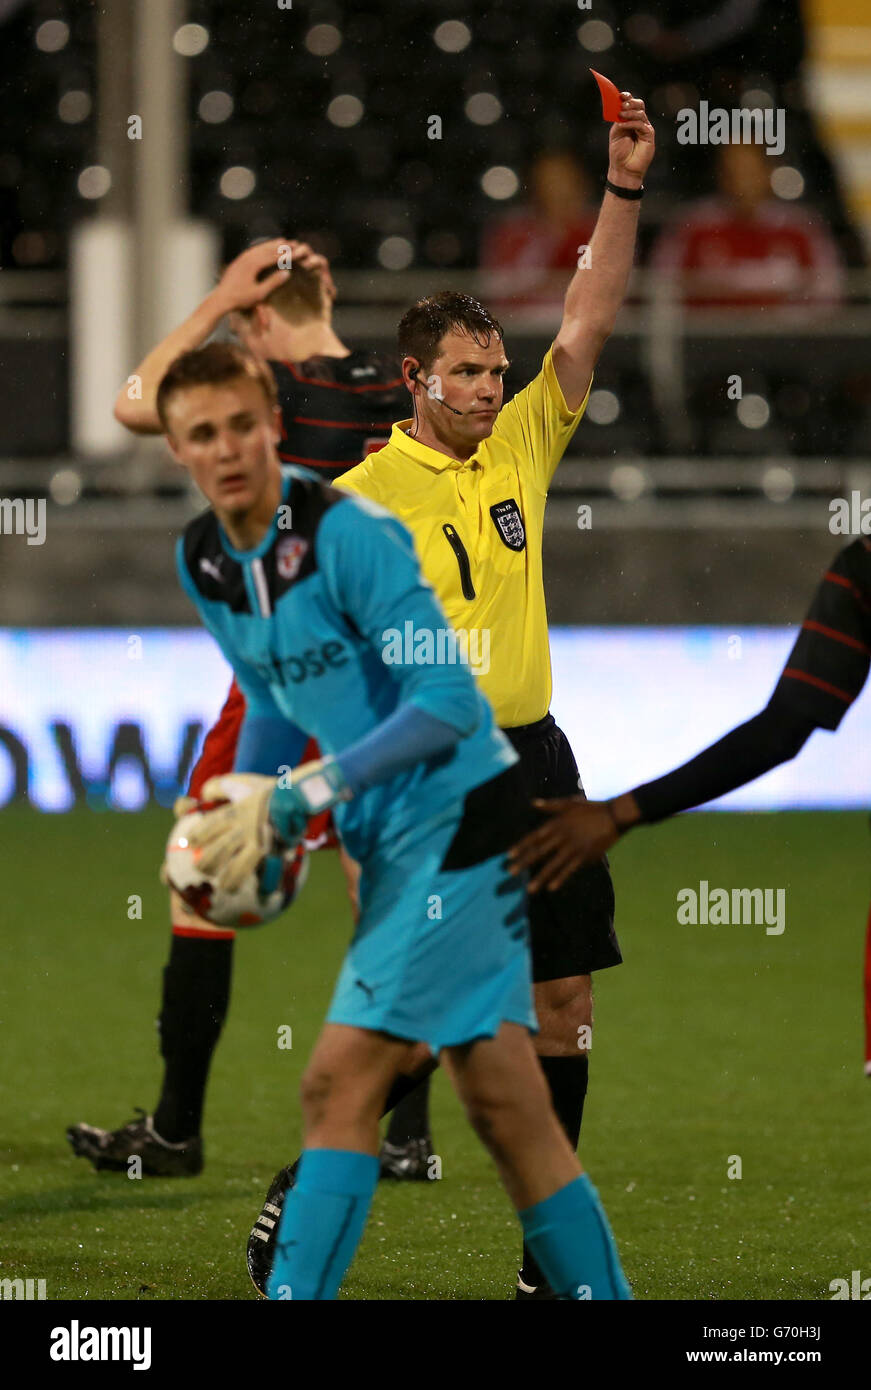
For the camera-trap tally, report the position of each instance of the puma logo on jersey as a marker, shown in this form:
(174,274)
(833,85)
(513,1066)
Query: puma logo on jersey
(212,567)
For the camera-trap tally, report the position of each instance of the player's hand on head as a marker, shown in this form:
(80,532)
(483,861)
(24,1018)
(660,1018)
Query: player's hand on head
(576,832)
(233,837)
(307,258)
(631,143)
(241,285)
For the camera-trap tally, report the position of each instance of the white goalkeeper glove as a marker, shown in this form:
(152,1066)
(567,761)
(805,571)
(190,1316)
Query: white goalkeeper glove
(234,838)
(180,807)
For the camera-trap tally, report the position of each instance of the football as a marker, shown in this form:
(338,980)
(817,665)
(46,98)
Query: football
(267,892)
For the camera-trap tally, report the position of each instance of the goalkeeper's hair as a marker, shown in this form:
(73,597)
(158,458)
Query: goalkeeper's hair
(423,326)
(213,365)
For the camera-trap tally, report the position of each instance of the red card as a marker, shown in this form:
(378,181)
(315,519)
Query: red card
(612,102)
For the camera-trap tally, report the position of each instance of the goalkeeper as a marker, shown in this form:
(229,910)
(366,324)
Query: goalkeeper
(426,794)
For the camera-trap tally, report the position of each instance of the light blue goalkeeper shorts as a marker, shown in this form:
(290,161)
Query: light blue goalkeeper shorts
(439,955)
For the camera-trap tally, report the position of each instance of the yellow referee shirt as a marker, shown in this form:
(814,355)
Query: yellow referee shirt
(477,527)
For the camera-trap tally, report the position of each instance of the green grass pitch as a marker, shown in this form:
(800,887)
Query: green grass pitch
(710,1043)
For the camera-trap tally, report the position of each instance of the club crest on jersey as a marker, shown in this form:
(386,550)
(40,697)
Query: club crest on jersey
(289,555)
(509,523)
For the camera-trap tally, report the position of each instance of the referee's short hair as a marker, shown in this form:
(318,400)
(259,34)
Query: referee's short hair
(423,326)
(213,365)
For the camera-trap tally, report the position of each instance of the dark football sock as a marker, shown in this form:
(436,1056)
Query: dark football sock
(196,995)
(567,1078)
(403,1086)
(410,1118)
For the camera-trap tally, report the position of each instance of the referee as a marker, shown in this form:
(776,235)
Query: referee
(469,478)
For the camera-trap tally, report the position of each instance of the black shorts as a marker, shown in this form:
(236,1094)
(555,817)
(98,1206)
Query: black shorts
(572,930)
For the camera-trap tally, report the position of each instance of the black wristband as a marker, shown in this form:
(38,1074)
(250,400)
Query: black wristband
(633,194)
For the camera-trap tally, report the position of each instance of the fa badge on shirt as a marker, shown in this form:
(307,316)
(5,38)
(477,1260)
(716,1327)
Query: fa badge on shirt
(509,523)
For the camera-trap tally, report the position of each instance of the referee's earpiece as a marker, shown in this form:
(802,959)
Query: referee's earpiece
(412,372)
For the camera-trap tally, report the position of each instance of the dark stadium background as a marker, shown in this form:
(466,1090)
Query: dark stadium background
(311,122)
(712,501)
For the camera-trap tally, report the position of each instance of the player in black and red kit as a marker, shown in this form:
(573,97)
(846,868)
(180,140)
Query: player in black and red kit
(826,670)
(337,406)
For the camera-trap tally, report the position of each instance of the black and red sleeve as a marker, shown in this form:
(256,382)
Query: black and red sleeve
(826,670)
(828,665)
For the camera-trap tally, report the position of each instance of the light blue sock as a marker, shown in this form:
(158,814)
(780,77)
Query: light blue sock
(321,1223)
(569,1235)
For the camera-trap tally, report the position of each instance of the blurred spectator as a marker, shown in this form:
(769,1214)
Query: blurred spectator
(725,50)
(745,247)
(526,246)
(687,29)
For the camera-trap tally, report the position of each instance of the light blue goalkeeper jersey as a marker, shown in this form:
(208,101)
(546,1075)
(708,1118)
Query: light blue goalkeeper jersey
(329,624)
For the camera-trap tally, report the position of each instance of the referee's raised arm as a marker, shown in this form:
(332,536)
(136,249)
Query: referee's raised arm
(599,284)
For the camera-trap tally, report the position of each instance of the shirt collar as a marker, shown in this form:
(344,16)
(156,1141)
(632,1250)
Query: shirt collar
(258,551)
(422,453)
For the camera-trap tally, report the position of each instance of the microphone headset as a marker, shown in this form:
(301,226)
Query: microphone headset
(413,371)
